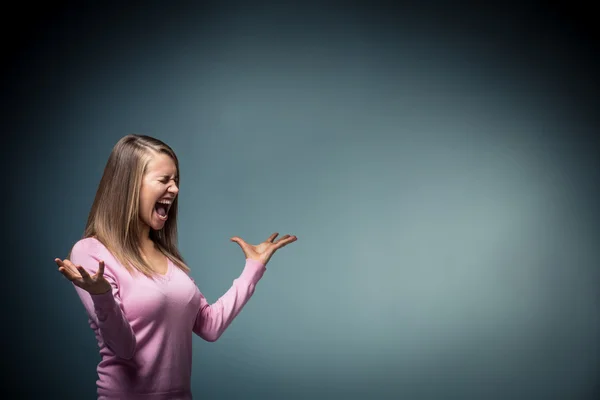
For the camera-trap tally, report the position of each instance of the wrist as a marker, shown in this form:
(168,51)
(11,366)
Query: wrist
(100,292)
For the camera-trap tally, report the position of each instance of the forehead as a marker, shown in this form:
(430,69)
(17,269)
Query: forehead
(161,164)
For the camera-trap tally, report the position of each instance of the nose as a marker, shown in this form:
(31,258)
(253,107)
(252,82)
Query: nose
(173,189)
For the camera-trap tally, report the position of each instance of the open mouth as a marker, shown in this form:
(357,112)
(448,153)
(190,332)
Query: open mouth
(162,209)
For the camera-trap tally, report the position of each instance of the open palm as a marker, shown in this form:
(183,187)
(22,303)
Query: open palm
(94,284)
(265,250)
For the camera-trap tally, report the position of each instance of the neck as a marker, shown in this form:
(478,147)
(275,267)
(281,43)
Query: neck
(146,244)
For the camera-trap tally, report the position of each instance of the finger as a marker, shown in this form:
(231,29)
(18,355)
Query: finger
(70,266)
(65,272)
(282,238)
(241,243)
(100,268)
(59,262)
(70,276)
(272,237)
(283,243)
(84,274)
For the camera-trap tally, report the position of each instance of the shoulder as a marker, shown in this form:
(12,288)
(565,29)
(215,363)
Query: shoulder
(88,252)
(88,246)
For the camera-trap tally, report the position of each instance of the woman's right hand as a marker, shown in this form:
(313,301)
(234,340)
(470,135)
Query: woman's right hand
(95,284)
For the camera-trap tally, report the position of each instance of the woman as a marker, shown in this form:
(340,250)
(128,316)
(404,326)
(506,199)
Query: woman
(142,304)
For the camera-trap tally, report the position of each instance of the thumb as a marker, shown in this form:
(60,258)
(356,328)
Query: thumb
(240,242)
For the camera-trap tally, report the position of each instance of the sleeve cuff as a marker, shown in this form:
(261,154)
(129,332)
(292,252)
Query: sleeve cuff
(253,271)
(103,301)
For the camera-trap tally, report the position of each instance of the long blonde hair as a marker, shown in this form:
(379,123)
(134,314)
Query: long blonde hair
(114,217)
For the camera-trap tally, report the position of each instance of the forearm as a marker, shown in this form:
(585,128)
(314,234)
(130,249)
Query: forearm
(212,320)
(109,319)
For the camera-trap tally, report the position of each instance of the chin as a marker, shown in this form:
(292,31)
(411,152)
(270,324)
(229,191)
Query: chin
(158,226)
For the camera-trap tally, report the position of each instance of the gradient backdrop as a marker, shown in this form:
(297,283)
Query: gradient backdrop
(436,163)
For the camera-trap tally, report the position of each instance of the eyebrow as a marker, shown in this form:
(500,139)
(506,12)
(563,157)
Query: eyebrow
(168,176)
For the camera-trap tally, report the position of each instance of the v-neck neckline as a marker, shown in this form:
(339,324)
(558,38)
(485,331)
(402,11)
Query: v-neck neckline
(168,268)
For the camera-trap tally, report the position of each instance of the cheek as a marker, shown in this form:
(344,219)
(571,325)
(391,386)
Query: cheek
(149,194)
(148,207)
(147,201)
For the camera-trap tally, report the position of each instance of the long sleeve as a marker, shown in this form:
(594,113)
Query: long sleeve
(213,319)
(105,311)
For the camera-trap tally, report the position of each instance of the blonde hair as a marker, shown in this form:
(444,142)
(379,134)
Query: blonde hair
(114,217)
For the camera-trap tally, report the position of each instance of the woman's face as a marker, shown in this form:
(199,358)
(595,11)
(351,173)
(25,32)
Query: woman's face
(158,191)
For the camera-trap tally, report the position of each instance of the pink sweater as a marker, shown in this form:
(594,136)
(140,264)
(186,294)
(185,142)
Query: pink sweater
(144,328)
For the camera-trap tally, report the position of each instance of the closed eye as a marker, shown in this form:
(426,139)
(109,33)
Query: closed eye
(166,180)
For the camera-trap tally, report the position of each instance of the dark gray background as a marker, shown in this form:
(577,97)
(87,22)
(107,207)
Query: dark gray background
(436,163)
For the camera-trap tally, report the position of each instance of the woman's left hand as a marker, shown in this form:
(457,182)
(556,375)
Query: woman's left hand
(266,249)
